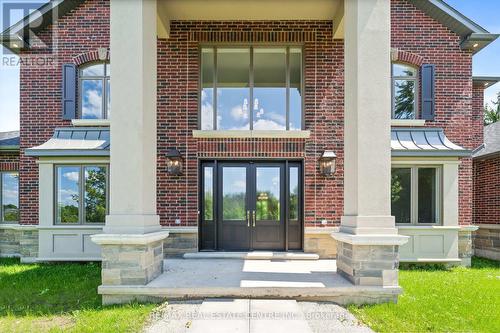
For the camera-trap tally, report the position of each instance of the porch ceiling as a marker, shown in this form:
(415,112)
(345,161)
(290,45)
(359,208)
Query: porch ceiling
(231,10)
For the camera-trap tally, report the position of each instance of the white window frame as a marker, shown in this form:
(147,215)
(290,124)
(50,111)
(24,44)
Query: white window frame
(105,79)
(416,81)
(2,221)
(414,193)
(251,81)
(81,193)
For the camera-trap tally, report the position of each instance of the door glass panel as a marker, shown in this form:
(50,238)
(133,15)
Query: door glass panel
(10,197)
(95,194)
(68,194)
(401,195)
(426,195)
(207,89)
(295,89)
(233,92)
(208,194)
(293,204)
(269,93)
(234,184)
(268,194)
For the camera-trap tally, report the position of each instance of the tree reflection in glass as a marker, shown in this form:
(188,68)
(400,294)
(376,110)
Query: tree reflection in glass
(268,194)
(234,186)
(68,198)
(10,197)
(95,194)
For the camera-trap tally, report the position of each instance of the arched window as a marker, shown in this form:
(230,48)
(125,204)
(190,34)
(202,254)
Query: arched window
(404,91)
(94,91)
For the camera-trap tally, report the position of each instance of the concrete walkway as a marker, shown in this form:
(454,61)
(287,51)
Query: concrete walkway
(253,315)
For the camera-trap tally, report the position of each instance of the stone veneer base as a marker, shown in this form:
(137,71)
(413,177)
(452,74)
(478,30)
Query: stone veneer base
(486,241)
(130,259)
(19,242)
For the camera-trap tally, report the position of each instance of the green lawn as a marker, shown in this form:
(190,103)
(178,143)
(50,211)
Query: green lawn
(438,300)
(60,297)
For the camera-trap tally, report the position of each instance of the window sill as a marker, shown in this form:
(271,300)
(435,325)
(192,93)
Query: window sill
(407,122)
(90,122)
(71,226)
(251,134)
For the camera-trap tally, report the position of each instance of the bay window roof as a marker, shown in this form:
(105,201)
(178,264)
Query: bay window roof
(72,141)
(424,142)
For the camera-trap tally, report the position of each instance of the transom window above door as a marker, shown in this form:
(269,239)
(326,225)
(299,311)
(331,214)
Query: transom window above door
(251,88)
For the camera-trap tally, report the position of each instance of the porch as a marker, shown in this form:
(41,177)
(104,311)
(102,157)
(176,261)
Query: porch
(250,278)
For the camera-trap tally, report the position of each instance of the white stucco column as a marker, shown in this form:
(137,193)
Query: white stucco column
(132,241)
(368,240)
(132,206)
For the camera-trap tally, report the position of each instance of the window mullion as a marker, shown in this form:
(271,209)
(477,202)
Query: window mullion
(287,79)
(214,97)
(82,195)
(251,83)
(415,195)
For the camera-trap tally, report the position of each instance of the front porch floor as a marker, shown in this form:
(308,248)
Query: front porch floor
(236,278)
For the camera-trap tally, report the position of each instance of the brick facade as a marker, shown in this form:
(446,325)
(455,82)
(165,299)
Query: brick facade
(415,32)
(9,161)
(86,28)
(487,191)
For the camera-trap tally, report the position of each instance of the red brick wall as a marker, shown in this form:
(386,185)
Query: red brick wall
(87,28)
(178,72)
(487,190)
(413,31)
(84,29)
(9,161)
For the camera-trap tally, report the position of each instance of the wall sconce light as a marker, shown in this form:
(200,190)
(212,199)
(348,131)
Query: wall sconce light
(327,163)
(174,162)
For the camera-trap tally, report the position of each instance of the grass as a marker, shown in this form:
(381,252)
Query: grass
(441,300)
(60,297)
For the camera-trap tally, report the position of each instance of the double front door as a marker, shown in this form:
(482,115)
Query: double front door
(251,206)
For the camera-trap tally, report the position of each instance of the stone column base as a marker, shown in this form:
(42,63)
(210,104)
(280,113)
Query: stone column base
(369,260)
(130,259)
(465,250)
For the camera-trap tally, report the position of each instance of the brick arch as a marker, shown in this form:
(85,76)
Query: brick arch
(90,56)
(407,57)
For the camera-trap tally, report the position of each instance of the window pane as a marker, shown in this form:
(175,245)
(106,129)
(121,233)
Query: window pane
(208,194)
(268,194)
(94,70)
(293,204)
(108,98)
(269,93)
(92,99)
(95,194)
(207,89)
(68,194)
(404,99)
(233,92)
(403,70)
(427,195)
(295,89)
(108,70)
(234,185)
(10,197)
(401,195)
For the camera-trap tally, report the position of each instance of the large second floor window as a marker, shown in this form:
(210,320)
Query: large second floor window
(404,91)
(9,197)
(95,91)
(251,88)
(81,194)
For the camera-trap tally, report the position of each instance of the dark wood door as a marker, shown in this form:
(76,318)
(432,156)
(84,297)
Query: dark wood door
(251,206)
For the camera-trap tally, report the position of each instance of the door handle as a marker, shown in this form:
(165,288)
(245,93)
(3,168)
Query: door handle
(253,219)
(248,220)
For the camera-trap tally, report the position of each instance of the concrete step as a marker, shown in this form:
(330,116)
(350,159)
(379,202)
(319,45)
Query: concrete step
(253,255)
(267,279)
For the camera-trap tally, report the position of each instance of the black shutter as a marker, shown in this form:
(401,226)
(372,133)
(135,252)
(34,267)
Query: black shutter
(428,92)
(69,91)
